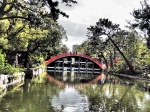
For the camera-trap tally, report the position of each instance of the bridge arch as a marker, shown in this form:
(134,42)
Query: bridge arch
(67,55)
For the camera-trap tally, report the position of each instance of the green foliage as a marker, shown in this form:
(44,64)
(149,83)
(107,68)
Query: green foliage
(83,47)
(137,51)
(143,15)
(6,68)
(2,58)
(64,49)
(104,28)
(33,38)
(142,18)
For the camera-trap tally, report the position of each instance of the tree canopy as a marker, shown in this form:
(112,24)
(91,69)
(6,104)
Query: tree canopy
(142,19)
(29,29)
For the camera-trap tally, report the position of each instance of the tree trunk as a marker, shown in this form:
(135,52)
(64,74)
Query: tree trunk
(114,57)
(129,65)
(104,60)
(111,59)
(26,60)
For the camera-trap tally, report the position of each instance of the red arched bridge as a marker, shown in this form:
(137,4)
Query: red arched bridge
(74,62)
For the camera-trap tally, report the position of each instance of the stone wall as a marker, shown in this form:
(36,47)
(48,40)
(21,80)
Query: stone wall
(33,72)
(7,81)
(10,80)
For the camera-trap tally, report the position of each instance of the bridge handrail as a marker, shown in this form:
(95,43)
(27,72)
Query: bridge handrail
(72,54)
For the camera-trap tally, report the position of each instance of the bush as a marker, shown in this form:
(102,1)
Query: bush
(6,68)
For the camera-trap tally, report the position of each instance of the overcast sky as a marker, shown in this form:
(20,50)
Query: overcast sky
(88,12)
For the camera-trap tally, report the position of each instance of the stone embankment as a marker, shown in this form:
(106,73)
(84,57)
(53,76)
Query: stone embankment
(7,81)
(33,72)
(133,77)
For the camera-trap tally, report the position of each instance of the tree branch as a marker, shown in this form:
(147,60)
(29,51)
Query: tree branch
(13,17)
(3,7)
(14,35)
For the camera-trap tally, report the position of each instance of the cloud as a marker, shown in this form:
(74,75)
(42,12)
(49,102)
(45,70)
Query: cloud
(76,32)
(74,40)
(88,12)
(74,29)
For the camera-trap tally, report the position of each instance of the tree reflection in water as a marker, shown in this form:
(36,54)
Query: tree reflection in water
(78,93)
(115,94)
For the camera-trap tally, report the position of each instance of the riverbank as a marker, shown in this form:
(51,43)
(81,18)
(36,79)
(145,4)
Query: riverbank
(11,80)
(132,77)
(33,72)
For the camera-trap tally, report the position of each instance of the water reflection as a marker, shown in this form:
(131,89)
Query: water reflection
(73,77)
(70,100)
(72,92)
(69,78)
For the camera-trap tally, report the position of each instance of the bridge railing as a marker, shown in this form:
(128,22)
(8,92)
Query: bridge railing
(73,54)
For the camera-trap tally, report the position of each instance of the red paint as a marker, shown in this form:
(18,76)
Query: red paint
(116,59)
(54,58)
(61,83)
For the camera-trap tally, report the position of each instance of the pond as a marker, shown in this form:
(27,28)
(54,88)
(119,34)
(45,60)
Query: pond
(77,92)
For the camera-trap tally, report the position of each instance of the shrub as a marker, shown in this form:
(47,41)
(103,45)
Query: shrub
(6,68)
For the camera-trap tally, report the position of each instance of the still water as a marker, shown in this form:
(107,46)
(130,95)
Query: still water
(77,92)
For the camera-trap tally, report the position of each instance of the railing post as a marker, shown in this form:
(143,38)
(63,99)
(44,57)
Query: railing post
(78,64)
(86,65)
(55,67)
(63,65)
(93,67)
(70,64)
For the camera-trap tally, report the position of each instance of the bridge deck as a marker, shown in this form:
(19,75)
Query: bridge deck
(74,62)
(54,58)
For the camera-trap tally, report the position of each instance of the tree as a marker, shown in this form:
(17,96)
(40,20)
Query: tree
(32,42)
(84,48)
(35,7)
(54,10)
(142,19)
(29,30)
(35,11)
(64,49)
(106,29)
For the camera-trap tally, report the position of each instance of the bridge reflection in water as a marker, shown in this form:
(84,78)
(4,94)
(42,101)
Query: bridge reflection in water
(66,77)
(54,94)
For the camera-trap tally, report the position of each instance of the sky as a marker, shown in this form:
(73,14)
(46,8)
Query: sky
(88,12)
